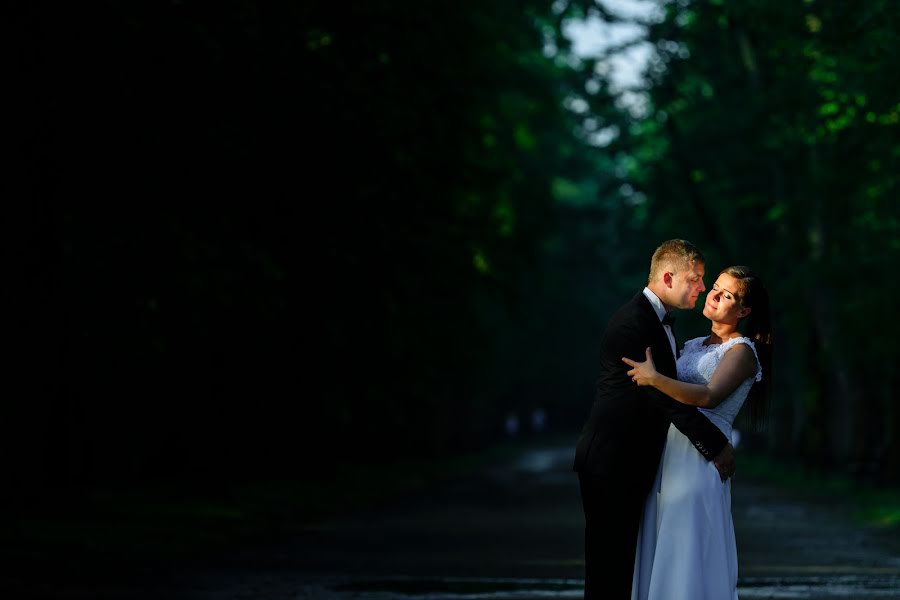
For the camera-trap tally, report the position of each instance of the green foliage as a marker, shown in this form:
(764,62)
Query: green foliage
(267,229)
(771,141)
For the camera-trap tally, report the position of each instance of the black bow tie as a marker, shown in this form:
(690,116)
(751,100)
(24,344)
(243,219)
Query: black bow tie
(668,320)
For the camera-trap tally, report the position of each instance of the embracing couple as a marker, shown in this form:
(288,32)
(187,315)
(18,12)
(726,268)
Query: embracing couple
(654,459)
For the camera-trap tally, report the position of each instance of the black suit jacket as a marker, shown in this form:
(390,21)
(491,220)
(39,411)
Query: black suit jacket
(626,431)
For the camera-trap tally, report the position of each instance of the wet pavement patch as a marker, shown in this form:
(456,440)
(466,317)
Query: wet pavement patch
(884,586)
(834,586)
(462,588)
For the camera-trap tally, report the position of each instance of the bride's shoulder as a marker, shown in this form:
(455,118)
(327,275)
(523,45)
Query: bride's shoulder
(746,342)
(731,343)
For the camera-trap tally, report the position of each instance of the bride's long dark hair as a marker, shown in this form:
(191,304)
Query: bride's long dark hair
(758,327)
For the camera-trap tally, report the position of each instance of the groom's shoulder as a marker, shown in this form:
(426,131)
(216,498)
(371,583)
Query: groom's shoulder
(630,312)
(633,306)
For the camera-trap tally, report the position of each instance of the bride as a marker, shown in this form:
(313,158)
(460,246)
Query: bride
(686,547)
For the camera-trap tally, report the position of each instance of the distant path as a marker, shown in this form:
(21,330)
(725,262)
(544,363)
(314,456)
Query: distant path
(514,532)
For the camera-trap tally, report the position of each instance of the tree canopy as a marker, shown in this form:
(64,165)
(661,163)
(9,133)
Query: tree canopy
(269,238)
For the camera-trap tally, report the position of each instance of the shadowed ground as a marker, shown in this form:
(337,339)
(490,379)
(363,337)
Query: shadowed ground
(513,530)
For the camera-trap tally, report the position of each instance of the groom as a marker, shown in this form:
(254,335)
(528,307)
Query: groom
(621,444)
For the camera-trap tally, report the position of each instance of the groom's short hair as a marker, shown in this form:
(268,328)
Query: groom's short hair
(675,255)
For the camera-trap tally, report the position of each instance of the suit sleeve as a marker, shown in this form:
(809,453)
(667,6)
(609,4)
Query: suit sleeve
(706,437)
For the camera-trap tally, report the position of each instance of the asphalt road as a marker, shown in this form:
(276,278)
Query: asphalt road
(513,532)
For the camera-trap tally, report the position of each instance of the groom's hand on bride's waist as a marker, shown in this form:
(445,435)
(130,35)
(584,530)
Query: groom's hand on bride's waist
(725,463)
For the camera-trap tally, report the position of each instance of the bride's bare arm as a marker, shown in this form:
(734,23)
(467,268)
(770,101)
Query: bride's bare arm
(736,366)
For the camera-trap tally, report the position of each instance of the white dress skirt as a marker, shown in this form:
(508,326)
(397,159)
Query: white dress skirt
(686,547)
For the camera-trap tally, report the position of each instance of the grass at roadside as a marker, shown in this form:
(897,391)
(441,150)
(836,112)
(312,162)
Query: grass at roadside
(875,505)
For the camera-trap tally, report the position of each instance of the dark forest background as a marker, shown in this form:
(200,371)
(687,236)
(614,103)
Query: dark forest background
(249,240)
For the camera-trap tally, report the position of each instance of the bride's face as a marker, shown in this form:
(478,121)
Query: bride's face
(723,304)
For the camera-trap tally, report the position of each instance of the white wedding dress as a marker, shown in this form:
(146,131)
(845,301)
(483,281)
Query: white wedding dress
(686,548)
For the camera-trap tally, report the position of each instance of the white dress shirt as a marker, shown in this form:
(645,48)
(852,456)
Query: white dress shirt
(657,305)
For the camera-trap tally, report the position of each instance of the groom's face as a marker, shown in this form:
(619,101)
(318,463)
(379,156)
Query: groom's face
(687,285)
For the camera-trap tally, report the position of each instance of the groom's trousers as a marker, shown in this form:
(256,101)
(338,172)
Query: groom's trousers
(612,518)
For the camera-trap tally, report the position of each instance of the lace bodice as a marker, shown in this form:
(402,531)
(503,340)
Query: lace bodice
(696,365)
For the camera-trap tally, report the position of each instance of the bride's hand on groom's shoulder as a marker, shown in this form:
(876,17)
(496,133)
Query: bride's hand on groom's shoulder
(642,373)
